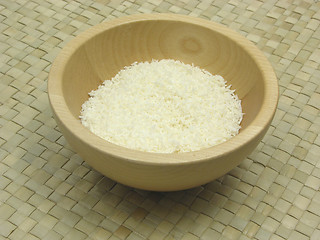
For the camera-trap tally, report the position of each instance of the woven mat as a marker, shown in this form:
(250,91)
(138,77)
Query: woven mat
(48,192)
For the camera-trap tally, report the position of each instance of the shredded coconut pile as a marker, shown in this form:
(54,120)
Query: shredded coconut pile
(163,106)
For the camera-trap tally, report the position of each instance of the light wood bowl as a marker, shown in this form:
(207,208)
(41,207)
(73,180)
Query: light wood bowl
(101,51)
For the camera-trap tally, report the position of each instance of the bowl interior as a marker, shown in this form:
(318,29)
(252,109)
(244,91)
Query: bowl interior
(102,56)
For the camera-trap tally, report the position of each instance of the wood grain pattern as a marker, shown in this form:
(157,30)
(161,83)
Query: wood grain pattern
(100,52)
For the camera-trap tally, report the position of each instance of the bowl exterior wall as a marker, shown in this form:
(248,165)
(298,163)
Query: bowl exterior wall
(157,177)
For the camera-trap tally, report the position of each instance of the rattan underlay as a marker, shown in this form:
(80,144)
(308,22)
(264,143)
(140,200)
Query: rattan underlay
(48,192)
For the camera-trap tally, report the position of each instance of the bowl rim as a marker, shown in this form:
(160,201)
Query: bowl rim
(247,135)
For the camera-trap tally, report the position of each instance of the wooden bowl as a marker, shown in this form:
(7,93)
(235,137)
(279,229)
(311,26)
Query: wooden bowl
(101,51)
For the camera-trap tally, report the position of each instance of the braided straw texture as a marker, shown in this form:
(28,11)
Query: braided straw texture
(48,192)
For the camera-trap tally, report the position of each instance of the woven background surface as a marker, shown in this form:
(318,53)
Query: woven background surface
(48,192)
